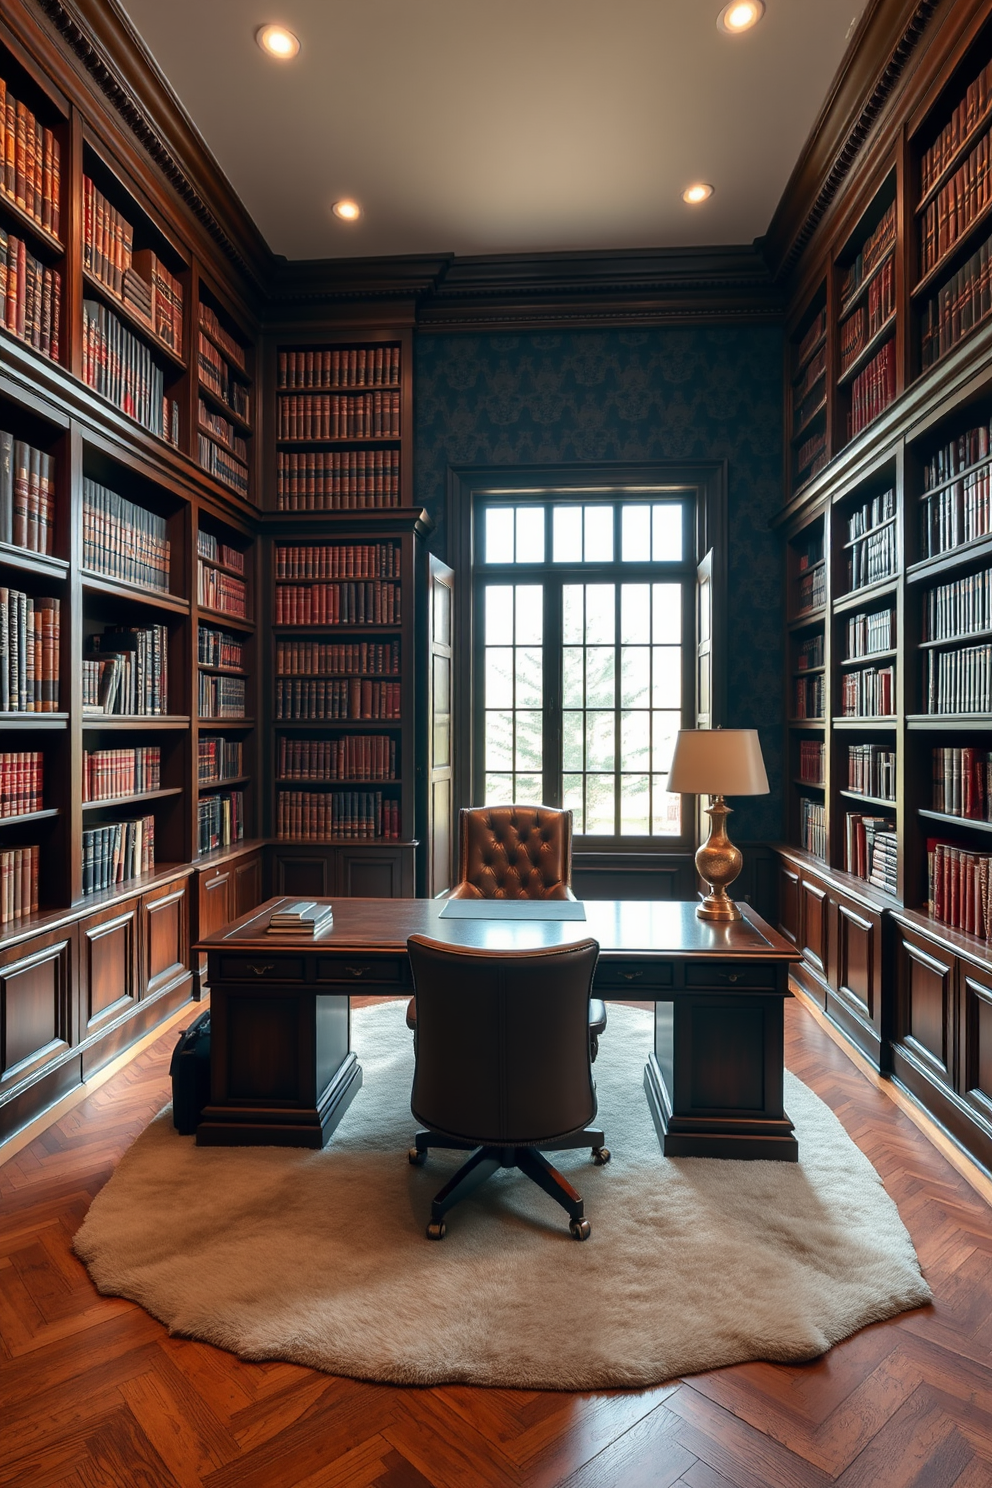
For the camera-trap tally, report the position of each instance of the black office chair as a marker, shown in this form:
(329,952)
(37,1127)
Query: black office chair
(479,1084)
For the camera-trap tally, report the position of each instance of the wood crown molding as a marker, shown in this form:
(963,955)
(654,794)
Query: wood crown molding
(887,37)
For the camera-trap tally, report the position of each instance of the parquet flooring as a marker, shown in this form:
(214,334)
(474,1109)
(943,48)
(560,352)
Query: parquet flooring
(95,1394)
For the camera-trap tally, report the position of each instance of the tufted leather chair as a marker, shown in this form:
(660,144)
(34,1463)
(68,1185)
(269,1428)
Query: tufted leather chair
(477,1084)
(517,852)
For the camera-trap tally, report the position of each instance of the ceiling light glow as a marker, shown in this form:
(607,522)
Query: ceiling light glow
(740,15)
(278,42)
(698,192)
(348,211)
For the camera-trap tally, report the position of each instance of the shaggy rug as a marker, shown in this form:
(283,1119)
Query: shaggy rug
(320,1257)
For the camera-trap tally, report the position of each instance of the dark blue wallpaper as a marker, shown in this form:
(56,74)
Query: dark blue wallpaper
(665,394)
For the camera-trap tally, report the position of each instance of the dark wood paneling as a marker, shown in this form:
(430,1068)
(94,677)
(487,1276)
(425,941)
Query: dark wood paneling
(108,965)
(789,904)
(165,939)
(375,873)
(925,992)
(215,894)
(307,874)
(815,919)
(247,884)
(36,1011)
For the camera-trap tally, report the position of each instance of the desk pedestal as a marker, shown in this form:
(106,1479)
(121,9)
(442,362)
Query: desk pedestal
(714,1080)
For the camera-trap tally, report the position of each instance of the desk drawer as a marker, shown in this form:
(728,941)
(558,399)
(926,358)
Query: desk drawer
(261,968)
(631,977)
(726,975)
(378,971)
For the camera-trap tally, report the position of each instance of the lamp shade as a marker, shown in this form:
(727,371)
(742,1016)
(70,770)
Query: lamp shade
(718,762)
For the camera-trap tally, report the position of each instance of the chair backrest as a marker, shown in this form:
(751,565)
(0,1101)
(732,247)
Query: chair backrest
(514,852)
(502,1045)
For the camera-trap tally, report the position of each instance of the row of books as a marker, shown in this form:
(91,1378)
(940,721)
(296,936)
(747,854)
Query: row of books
(18,883)
(217,648)
(816,329)
(340,561)
(352,697)
(220,820)
(811,456)
(873,557)
(961,608)
(809,548)
(812,591)
(959,681)
(813,827)
(957,307)
(108,773)
(871,514)
(958,888)
(962,782)
(218,461)
(223,430)
(319,816)
(336,416)
(866,321)
(345,367)
(876,246)
(810,654)
(29,653)
(337,658)
(814,371)
(956,514)
(123,540)
(117,851)
(27,495)
(221,697)
(216,374)
(959,201)
(375,602)
(871,849)
(812,755)
(219,760)
(353,757)
(139,280)
(22,780)
(233,350)
(970,111)
(805,408)
(870,692)
(957,456)
(337,480)
(810,697)
(30,296)
(127,671)
(211,548)
(220,591)
(872,390)
(30,162)
(867,633)
(871,769)
(121,368)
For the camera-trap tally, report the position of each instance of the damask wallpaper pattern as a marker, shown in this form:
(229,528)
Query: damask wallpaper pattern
(712,393)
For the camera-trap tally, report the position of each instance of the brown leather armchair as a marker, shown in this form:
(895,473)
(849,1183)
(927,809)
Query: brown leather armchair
(478,1085)
(517,852)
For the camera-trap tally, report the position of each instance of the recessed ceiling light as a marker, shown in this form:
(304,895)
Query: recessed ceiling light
(697,193)
(740,15)
(347,210)
(278,42)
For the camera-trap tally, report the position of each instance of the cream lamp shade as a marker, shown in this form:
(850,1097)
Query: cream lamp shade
(718,762)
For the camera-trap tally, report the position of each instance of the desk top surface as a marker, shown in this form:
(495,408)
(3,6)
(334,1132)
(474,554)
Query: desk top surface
(621,926)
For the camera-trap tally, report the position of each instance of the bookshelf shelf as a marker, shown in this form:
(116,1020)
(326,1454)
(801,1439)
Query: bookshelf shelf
(223,407)
(21,721)
(134,799)
(853,795)
(953,254)
(979,127)
(141,328)
(219,671)
(886,721)
(29,816)
(866,353)
(951,642)
(957,557)
(131,721)
(954,821)
(809,419)
(212,785)
(853,599)
(44,243)
(94,583)
(860,661)
(223,620)
(861,292)
(34,563)
(926,722)
(208,724)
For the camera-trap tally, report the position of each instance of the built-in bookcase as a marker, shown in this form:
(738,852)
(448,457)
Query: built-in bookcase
(866,368)
(225,395)
(809,383)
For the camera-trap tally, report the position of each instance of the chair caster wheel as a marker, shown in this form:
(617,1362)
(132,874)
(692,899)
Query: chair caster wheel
(580,1229)
(437,1231)
(416,1157)
(602,1156)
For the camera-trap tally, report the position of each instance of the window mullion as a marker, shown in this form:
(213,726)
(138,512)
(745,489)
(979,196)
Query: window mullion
(552,692)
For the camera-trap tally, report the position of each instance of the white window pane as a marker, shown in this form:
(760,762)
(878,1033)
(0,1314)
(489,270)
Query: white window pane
(636,533)
(667,819)
(635,741)
(665,727)
(600,613)
(529,677)
(600,809)
(499,741)
(635,612)
(573,737)
(499,609)
(572,620)
(499,534)
(667,613)
(499,790)
(600,680)
(528,790)
(635,677)
(529,607)
(666,545)
(568,534)
(667,688)
(635,806)
(573,685)
(499,677)
(529,752)
(572,800)
(600,744)
(599,534)
(530,534)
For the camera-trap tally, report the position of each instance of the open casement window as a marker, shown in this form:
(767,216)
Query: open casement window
(593,644)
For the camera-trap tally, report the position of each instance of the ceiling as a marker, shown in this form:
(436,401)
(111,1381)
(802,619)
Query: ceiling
(524,126)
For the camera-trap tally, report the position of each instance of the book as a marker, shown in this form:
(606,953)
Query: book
(305,920)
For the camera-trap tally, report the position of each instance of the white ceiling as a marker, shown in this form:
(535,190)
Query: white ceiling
(469,126)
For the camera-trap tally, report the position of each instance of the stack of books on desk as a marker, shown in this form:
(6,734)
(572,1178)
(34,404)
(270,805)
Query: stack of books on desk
(304,920)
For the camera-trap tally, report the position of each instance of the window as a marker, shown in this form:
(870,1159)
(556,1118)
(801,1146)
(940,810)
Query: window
(584,656)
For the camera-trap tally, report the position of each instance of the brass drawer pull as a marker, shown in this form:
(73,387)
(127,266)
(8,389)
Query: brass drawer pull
(356,971)
(732,976)
(630,976)
(260,970)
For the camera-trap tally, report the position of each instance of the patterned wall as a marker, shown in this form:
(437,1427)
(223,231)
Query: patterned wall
(652,395)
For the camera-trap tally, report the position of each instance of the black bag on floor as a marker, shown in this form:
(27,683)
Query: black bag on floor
(190,1071)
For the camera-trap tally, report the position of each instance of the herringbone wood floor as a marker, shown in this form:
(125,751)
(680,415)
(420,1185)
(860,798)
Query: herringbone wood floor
(93,1392)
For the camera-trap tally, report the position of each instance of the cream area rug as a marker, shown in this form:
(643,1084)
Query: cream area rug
(321,1258)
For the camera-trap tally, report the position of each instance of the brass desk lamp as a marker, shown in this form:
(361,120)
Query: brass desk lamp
(715,763)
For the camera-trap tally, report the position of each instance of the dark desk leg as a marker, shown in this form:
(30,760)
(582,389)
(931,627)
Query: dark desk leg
(714,1081)
(282,1071)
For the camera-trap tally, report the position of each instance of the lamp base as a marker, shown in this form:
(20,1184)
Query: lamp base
(718,862)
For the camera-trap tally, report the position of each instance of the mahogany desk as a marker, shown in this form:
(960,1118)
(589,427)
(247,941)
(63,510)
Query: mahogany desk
(283,1071)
